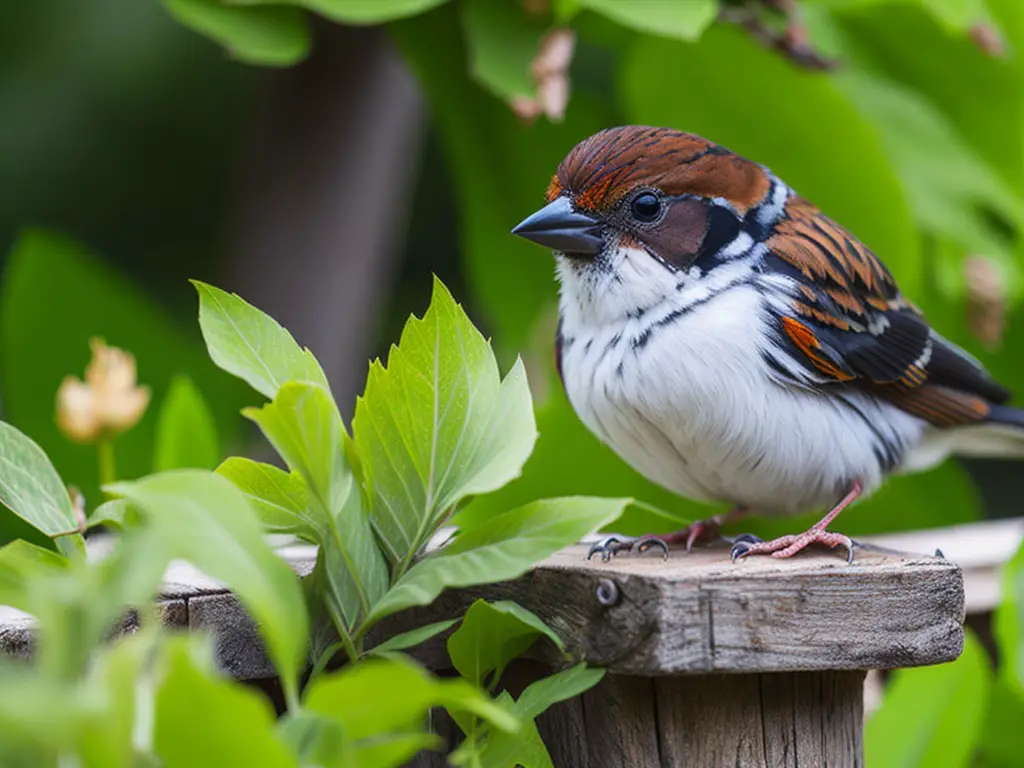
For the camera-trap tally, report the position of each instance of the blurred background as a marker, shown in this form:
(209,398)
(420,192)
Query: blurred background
(323,159)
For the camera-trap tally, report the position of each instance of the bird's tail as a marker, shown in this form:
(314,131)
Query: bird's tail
(1000,436)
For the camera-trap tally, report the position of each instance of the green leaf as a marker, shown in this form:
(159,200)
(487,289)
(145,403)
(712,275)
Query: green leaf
(502,39)
(565,10)
(980,95)
(359,12)
(113,513)
(1008,622)
(685,20)
(114,683)
(526,749)
(491,635)
(931,715)
(278,497)
(207,521)
(361,698)
(186,434)
(501,548)
(438,425)
(303,424)
(29,560)
(956,15)
(1002,740)
(20,563)
(305,428)
(249,344)
(550,690)
(276,36)
(869,201)
(30,487)
(395,750)
(42,342)
(36,710)
(76,609)
(413,637)
(316,740)
(496,749)
(202,720)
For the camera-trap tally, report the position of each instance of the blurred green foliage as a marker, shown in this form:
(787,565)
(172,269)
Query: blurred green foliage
(905,164)
(123,129)
(913,141)
(960,714)
(54,297)
(932,716)
(352,497)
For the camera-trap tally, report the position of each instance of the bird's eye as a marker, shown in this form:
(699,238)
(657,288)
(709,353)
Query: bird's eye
(645,207)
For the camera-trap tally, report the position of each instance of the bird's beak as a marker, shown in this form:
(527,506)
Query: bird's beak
(558,226)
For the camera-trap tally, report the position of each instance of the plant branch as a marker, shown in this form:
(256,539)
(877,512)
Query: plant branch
(108,461)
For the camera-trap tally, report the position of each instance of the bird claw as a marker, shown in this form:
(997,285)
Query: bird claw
(741,545)
(611,546)
(787,546)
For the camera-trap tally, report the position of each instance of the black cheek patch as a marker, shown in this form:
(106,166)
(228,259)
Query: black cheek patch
(723,227)
(678,238)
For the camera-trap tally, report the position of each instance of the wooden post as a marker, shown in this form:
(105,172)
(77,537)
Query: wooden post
(711,663)
(755,663)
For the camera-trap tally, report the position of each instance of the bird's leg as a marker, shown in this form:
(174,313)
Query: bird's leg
(787,546)
(701,530)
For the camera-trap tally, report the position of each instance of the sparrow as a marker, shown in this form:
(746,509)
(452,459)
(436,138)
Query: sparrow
(732,343)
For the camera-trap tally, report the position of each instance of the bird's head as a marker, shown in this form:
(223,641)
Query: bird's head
(632,210)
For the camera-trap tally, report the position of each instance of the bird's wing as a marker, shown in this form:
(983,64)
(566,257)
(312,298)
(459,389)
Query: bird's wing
(850,325)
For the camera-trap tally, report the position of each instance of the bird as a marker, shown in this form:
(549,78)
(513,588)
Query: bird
(733,344)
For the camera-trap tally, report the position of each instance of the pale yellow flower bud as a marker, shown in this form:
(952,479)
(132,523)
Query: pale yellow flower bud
(107,403)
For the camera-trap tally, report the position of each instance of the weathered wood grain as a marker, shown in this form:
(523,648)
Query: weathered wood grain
(238,647)
(700,613)
(779,720)
(981,549)
(621,720)
(691,614)
(757,663)
(772,720)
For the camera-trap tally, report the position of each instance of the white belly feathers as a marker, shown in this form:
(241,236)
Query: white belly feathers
(695,409)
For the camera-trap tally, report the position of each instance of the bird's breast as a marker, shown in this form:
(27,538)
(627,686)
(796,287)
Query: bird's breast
(687,400)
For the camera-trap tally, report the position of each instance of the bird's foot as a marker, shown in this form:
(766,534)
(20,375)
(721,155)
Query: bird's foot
(701,531)
(610,546)
(787,546)
(697,532)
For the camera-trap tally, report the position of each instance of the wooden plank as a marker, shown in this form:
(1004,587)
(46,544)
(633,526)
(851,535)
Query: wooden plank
(780,720)
(704,720)
(774,720)
(981,549)
(700,613)
(690,614)
(620,721)
(238,647)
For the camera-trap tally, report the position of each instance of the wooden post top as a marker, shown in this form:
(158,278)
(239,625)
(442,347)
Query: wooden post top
(695,613)
(700,613)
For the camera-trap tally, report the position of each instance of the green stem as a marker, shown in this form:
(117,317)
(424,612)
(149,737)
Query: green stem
(108,463)
(328,654)
(291,697)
